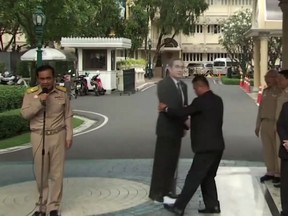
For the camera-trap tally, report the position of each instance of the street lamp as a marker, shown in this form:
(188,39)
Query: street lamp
(149,59)
(39,20)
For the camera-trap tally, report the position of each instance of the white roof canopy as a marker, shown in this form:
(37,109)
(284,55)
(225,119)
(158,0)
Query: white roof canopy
(48,54)
(95,42)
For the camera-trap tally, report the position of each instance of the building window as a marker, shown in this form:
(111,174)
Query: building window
(192,57)
(95,59)
(199,29)
(214,29)
(212,56)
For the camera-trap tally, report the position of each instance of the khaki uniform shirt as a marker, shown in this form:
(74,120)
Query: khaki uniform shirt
(283,98)
(58,110)
(268,105)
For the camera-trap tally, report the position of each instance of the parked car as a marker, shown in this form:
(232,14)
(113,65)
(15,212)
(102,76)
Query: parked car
(195,68)
(200,68)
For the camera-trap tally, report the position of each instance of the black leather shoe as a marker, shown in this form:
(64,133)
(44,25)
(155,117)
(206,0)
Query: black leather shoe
(284,214)
(173,196)
(37,213)
(215,210)
(54,213)
(276,180)
(173,209)
(266,178)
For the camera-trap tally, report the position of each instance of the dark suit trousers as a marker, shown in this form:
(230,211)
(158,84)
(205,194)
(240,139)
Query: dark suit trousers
(165,163)
(284,186)
(202,172)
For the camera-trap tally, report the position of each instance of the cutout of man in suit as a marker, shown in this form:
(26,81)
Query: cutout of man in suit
(206,114)
(172,91)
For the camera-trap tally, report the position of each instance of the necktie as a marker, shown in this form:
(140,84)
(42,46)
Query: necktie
(180,93)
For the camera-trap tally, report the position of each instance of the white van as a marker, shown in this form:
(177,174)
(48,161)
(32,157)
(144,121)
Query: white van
(220,65)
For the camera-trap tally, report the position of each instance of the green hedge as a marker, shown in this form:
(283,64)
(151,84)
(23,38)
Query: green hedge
(230,81)
(11,97)
(12,124)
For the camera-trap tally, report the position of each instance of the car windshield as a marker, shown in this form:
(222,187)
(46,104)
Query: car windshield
(209,65)
(219,63)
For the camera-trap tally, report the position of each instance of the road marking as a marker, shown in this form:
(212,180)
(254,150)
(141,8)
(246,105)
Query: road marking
(26,146)
(144,89)
(106,119)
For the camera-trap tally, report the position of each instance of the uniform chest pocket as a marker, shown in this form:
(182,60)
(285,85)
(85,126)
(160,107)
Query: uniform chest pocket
(56,106)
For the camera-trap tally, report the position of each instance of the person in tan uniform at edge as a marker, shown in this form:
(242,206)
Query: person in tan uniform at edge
(283,84)
(265,126)
(58,136)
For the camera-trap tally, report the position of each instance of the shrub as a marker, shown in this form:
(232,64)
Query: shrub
(11,97)
(230,81)
(131,63)
(12,124)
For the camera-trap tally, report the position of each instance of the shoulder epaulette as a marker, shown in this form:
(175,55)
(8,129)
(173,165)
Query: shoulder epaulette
(32,89)
(61,88)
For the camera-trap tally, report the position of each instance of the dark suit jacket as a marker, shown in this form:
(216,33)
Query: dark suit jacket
(168,93)
(282,129)
(206,112)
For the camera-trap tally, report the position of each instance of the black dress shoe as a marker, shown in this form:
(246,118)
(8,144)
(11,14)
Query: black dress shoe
(173,209)
(37,213)
(214,210)
(266,178)
(54,213)
(173,196)
(284,214)
(276,180)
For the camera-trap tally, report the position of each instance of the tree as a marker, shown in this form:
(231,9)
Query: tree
(74,18)
(173,17)
(238,47)
(274,51)
(136,27)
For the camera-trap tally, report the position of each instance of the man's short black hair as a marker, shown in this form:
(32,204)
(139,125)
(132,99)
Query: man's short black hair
(284,73)
(43,68)
(200,78)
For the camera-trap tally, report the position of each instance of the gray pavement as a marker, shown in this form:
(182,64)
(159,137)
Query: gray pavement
(109,167)
(120,187)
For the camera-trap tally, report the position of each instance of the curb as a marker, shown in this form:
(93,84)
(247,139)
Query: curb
(86,124)
(140,87)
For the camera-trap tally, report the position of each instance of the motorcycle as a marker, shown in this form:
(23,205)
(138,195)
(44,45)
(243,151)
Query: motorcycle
(97,83)
(9,79)
(82,85)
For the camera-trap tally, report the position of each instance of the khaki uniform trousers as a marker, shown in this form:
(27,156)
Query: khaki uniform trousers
(268,137)
(53,168)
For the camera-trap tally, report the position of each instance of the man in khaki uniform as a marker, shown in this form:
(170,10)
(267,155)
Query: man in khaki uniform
(283,84)
(58,136)
(265,125)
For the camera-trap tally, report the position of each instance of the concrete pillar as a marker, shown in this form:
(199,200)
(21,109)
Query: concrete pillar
(256,60)
(109,59)
(263,58)
(284,7)
(80,60)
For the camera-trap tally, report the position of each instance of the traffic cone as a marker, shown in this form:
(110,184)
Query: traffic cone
(219,76)
(241,81)
(245,84)
(259,96)
(248,85)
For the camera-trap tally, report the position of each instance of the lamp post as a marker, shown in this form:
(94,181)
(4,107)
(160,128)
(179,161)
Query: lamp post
(39,20)
(149,59)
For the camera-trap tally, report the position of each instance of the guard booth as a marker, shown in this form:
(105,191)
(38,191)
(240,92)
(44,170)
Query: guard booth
(97,56)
